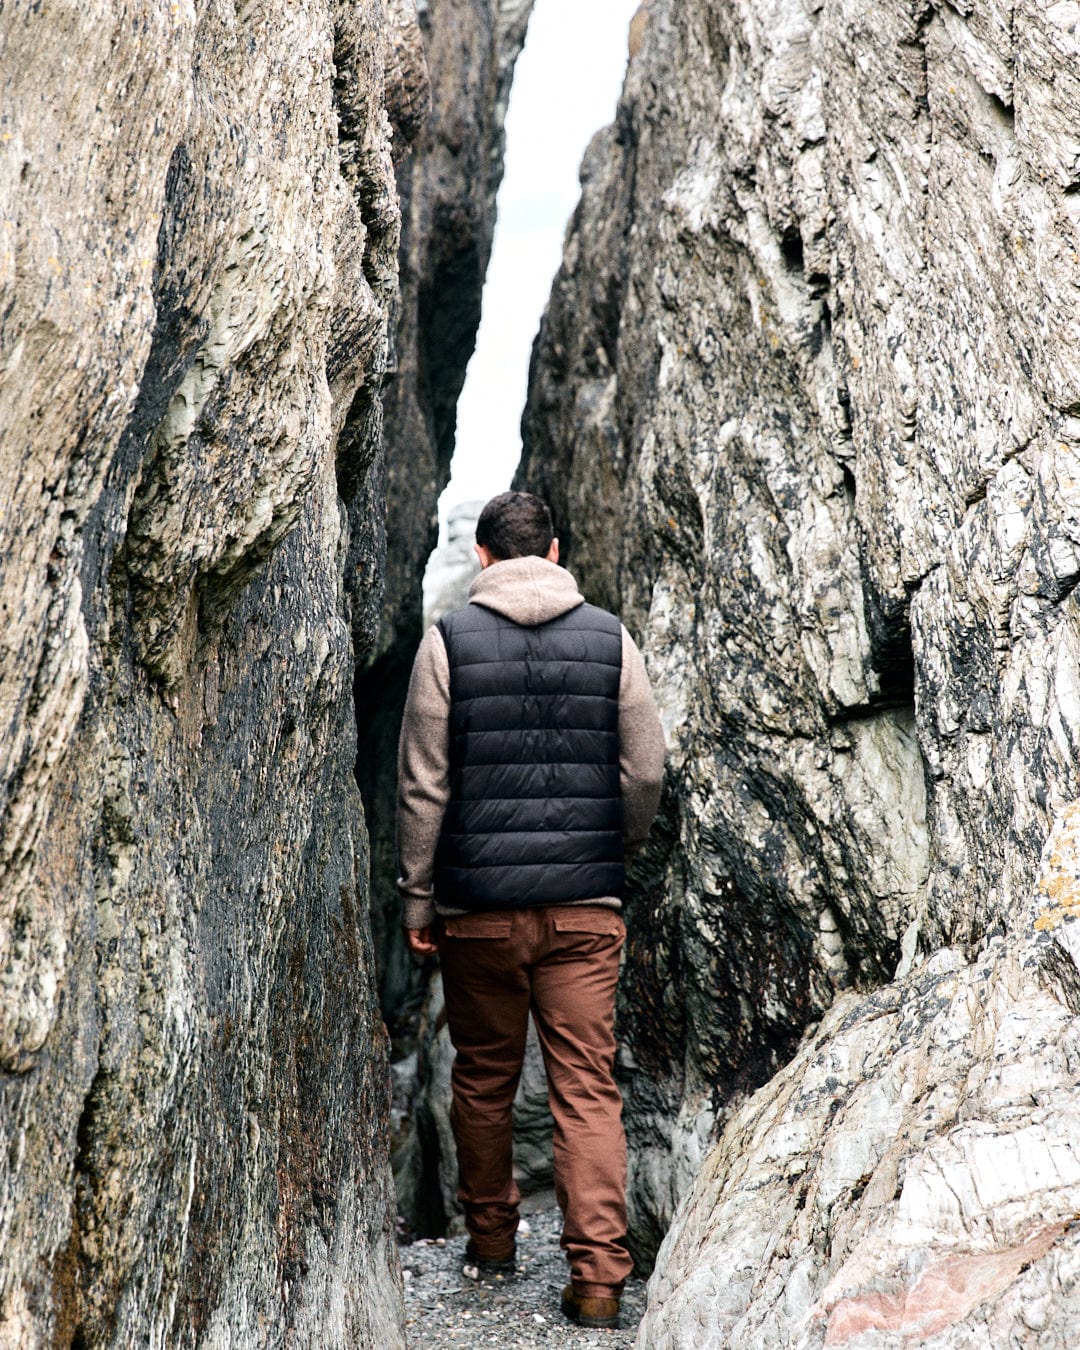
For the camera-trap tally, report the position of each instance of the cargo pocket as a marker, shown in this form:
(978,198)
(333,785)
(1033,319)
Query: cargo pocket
(477,926)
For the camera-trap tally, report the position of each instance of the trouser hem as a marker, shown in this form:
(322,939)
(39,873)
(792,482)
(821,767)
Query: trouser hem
(584,1289)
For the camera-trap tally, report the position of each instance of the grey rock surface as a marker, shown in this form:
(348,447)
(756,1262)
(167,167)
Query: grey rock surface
(913,1176)
(453,565)
(812,362)
(198,243)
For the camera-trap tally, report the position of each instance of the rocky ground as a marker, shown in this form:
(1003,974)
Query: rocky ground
(445,1309)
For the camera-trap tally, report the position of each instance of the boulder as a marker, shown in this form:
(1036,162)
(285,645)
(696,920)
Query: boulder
(913,1175)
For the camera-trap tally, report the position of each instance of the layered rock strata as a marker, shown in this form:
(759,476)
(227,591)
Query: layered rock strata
(913,1176)
(813,362)
(198,267)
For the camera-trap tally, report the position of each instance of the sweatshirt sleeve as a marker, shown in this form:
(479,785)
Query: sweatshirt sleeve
(423,778)
(641,748)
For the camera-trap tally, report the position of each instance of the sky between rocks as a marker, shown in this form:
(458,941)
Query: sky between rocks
(564,90)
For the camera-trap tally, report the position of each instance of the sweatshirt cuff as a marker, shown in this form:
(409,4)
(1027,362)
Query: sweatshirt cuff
(417,912)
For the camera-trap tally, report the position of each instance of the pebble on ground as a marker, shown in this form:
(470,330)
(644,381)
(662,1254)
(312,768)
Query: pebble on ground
(445,1310)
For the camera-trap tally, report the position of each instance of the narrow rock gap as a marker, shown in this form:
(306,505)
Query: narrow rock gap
(449,308)
(200,271)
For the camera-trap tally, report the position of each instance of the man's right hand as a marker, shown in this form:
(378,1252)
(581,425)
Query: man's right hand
(419,940)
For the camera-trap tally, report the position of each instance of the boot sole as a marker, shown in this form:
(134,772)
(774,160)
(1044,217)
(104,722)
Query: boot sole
(490,1267)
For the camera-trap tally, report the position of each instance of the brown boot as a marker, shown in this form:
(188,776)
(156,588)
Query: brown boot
(489,1267)
(588,1311)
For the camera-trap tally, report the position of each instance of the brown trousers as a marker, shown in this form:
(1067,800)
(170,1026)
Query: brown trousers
(562,962)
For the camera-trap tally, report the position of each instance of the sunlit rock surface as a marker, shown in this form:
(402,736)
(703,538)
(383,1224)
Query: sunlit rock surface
(806,402)
(198,250)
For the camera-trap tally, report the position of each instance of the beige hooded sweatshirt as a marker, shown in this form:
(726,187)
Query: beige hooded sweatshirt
(529,591)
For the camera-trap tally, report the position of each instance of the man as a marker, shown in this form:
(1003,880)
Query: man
(529,766)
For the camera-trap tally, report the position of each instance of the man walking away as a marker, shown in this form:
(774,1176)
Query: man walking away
(529,768)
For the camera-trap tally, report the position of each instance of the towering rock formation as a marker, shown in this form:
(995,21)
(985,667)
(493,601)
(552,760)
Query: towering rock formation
(198,249)
(813,358)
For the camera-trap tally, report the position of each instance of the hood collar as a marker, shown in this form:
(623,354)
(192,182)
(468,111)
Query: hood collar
(527,590)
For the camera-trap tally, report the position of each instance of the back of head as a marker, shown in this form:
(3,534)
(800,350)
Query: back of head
(515,525)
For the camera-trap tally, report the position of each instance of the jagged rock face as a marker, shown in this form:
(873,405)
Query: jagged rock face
(200,230)
(447,190)
(812,359)
(913,1176)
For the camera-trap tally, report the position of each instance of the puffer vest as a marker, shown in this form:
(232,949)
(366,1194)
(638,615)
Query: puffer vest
(535,810)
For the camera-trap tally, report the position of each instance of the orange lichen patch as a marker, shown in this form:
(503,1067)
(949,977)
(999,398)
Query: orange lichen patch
(638,24)
(1063,895)
(1059,884)
(941,1294)
(1053,916)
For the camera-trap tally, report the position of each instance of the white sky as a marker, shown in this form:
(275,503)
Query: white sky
(563,91)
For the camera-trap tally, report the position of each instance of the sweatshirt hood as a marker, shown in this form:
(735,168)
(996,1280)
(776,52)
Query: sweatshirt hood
(527,590)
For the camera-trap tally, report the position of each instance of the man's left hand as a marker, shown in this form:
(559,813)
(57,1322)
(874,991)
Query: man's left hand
(419,940)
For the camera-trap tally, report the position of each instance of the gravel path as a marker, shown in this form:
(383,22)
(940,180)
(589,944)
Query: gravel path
(444,1310)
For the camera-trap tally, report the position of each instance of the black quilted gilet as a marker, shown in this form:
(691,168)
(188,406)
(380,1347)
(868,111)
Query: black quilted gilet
(535,811)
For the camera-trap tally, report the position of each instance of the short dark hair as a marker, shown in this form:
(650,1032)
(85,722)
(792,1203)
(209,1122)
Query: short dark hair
(515,525)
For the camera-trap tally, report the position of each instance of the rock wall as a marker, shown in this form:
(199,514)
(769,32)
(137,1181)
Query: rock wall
(198,267)
(447,190)
(813,359)
(454,564)
(913,1176)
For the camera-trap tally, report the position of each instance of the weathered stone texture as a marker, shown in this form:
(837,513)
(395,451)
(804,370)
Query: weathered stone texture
(913,1176)
(197,262)
(813,361)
